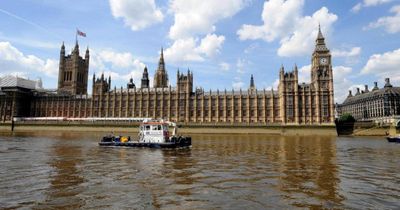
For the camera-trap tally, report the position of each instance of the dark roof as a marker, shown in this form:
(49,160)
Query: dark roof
(375,93)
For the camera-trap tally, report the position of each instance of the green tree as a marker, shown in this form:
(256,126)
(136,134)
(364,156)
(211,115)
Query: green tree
(347,117)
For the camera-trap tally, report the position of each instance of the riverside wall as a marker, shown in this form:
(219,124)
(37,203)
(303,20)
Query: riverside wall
(301,130)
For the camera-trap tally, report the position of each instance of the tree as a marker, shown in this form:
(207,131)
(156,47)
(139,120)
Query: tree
(346,117)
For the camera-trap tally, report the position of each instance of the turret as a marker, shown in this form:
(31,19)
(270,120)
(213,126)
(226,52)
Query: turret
(109,82)
(387,83)
(61,67)
(350,94)
(62,52)
(281,72)
(145,79)
(87,56)
(358,92)
(76,49)
(366,89)
(375,86)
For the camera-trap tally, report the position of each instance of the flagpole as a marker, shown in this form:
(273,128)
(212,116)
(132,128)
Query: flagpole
(76,36)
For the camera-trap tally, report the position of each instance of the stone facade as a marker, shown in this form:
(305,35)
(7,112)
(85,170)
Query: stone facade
(73,72)
(376,104)
(291,104)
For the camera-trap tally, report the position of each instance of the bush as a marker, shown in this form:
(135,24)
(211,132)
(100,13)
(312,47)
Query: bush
(346,117)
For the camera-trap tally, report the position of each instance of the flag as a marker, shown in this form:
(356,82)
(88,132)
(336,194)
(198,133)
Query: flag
(80,33)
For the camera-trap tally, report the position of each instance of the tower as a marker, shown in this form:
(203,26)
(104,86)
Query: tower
(288,95)
(61,70)
(184,82)
(252,87)
(322,80)
(73,72)
(161,75)
(145,78)
(100,85)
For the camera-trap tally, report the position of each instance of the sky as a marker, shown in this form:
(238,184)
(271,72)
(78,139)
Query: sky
(222,42)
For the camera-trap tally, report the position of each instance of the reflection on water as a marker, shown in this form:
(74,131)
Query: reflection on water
(69,171)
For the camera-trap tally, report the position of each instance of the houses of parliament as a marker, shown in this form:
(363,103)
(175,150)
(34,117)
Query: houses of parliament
(292,103)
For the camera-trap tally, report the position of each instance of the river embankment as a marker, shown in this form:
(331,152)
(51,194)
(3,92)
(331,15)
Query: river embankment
(300,130)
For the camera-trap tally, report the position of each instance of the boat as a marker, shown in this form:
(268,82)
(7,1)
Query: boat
(153,134)
(395,139)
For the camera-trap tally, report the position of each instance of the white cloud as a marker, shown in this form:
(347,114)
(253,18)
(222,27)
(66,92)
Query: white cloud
(279,18)
(137,14)
(390,23)
(224,66)
(283,20)
(305,74)
(237,83)
(120,65)
(193,17)
(341,82)
(302,40)
(241,65)
(12,60)
(193,31)
(190,49)
(368,3)
(384,65)
(211,44)
(353,52)
(183,50)
(274,85)
(351,55)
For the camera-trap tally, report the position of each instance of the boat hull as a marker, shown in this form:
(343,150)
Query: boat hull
(181,142)
(393,139)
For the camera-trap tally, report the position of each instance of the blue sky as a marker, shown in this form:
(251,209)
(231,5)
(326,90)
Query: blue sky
(222,42)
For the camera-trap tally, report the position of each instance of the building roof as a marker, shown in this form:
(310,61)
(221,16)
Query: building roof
(371,94)
(9,81)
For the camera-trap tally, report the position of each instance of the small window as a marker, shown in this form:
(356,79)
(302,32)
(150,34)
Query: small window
(147,127)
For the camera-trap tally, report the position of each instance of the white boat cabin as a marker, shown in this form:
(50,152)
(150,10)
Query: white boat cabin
(154,132)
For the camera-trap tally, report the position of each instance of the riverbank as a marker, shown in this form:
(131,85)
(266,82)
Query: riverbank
(327,130)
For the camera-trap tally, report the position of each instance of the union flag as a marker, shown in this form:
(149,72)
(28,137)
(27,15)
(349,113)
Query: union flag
(80,33)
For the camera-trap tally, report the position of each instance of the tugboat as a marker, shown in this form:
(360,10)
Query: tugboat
(395,139)
(153,134)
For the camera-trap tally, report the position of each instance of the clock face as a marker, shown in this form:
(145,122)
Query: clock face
(323,61)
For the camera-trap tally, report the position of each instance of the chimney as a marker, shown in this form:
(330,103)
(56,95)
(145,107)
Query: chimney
(375,86)
(350,94)
(358,92)
(387,83)
(366,89)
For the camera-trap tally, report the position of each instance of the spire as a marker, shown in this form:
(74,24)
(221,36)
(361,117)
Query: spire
(252,82)
(320,42)
(320,36)
(161,65)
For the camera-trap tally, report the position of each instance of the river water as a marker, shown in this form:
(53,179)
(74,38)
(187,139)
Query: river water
(69,171)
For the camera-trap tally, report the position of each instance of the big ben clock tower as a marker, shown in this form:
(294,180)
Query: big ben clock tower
(322,81)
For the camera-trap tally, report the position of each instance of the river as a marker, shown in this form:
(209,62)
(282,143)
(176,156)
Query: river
(70,171)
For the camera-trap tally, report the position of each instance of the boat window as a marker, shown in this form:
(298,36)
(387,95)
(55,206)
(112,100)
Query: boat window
(147,127)
(154,128)
(159,127)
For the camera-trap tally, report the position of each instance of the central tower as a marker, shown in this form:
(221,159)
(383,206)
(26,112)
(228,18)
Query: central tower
(73,72)
(161,76)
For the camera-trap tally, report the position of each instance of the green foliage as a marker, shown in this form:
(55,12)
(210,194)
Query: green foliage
(347,117)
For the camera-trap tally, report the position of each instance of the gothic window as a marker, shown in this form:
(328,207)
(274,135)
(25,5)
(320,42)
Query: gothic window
(325,106)
(290,106)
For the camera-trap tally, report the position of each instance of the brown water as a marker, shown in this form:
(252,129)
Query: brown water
(69,171)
